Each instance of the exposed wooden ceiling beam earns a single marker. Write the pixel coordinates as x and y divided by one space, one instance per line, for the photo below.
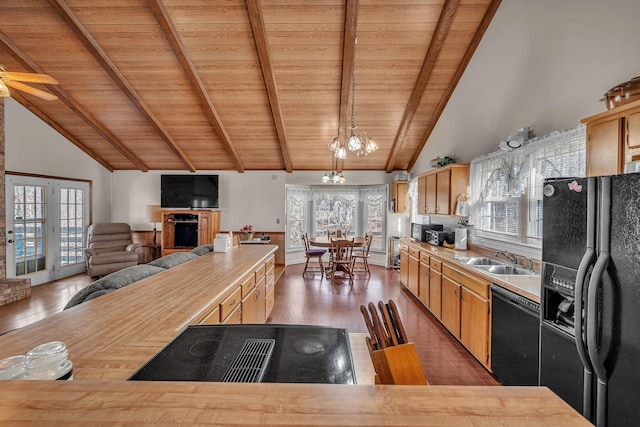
31 66
162 16
348 52
437 41
486 20
74 23
260 37
48 120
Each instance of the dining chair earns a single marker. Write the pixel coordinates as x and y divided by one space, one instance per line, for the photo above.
312 253
342 257
362 255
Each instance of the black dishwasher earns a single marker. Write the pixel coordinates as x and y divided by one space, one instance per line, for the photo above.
515 336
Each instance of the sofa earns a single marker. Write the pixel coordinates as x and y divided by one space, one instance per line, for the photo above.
110 249
127 276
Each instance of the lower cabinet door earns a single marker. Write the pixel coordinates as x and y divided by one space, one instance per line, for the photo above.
451 306
435 293
423 290
235 317
474 326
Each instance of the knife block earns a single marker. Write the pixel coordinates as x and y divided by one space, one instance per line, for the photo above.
398 364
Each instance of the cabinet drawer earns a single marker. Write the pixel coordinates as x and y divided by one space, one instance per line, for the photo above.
235 317
469 281
271 262
230 303
414 252
260 272
435 264
270 281
424 257
404 247
248 285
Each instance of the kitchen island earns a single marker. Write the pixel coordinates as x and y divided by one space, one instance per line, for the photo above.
110 337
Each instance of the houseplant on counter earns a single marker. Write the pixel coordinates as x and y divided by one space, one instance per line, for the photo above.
248 232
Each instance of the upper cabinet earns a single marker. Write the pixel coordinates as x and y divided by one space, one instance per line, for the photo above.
613 139
400 196
439 189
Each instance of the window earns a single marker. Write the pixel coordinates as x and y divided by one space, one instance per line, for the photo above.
506 187
319 210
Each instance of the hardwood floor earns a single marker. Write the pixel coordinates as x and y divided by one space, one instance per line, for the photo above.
312 301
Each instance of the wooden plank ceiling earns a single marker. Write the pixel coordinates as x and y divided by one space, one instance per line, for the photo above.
242 85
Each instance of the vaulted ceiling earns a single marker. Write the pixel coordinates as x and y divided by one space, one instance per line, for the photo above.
242 85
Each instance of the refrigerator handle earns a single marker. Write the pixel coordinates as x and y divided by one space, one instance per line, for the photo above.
580 291
592 300
581 331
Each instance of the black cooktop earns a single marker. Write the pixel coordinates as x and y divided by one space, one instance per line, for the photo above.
298 354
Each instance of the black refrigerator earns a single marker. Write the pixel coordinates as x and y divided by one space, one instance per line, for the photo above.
590 311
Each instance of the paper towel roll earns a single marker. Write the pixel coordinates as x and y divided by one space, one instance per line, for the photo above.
461 238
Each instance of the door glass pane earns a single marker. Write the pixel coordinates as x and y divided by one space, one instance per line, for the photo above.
30 229
71 229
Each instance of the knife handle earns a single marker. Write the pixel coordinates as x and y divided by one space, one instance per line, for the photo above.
383 340
388 323
369 324
402 335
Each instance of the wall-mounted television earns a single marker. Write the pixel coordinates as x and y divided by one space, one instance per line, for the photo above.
189 191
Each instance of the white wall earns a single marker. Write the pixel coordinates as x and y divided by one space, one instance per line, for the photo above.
255 198
543 64
32 146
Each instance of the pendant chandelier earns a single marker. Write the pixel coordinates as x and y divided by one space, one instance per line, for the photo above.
333 176
349 139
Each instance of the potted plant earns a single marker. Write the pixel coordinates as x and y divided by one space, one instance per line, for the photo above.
248 231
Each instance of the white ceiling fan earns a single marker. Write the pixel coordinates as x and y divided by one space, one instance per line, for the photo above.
13 80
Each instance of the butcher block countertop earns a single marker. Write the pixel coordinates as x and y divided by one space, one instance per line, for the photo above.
81 403
110 337
526 286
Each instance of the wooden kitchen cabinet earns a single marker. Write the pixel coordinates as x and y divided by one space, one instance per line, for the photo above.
604 156
475 324
183 230
439 189
466 310
404 265
424 279
435 287
613 139
400 196
451 305
414 271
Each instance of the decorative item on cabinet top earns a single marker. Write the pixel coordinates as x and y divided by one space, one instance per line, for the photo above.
438 162
622 93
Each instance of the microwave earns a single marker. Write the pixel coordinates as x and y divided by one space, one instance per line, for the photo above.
435 237
419 231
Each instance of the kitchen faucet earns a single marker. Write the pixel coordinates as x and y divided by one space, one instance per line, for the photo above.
510 256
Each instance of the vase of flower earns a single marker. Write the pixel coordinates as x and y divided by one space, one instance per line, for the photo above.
248 232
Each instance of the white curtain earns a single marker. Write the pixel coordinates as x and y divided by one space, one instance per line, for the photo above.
506 187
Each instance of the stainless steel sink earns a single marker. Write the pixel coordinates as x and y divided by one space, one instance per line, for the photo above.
505 270
480 261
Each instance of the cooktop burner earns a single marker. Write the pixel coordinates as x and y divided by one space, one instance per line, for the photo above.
300 354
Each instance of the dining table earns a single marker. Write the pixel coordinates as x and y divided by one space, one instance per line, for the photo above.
325 242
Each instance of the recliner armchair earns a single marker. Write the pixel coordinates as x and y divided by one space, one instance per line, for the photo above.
110 249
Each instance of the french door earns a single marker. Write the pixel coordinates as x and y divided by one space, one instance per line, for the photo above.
47 221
